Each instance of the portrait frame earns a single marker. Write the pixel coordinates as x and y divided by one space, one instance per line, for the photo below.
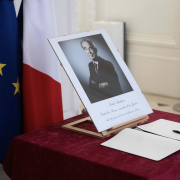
115 110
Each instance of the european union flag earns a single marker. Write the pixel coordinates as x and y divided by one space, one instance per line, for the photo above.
10 77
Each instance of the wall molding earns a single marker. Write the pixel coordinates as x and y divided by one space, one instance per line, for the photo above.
153 56
152 40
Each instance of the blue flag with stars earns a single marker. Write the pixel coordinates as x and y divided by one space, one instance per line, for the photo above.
10 77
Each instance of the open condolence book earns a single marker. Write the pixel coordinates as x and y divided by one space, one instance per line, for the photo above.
162 143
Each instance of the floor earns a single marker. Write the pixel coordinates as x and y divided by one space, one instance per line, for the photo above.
162 103
3 175
156 102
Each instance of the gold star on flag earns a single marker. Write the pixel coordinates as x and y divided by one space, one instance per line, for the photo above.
16 85
1 66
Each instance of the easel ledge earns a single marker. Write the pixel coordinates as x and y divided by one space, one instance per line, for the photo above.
114 130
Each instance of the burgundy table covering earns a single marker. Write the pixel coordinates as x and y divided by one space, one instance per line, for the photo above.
53 153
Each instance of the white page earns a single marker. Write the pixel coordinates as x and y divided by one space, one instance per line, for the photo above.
163 127
143 144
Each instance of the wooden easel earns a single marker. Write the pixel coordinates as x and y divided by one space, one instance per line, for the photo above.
106 133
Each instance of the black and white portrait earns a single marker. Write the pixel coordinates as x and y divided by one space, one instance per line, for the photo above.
101 78
95 67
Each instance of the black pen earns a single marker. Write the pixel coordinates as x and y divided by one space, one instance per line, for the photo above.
178 132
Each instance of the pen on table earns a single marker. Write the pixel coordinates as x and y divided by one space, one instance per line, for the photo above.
178 132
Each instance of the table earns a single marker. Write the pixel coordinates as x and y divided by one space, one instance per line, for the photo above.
53 153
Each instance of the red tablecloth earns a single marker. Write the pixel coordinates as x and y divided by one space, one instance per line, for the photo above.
53 153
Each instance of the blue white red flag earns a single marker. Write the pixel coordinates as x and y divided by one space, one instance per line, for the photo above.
42 100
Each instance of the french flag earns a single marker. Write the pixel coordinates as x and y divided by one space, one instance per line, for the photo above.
42 100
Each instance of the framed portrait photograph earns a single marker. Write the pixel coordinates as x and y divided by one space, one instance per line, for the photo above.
101 78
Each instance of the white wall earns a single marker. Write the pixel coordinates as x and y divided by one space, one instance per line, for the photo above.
152 36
